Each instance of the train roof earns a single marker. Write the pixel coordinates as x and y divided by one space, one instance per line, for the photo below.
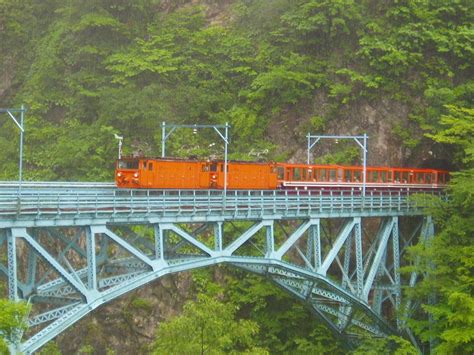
171 159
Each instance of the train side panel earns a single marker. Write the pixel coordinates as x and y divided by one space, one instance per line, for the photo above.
162 174
247 176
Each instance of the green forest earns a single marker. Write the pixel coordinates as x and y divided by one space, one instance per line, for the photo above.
275 70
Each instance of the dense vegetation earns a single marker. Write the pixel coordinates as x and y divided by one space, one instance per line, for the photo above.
274 70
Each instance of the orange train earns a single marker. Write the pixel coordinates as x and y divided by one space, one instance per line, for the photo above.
167 173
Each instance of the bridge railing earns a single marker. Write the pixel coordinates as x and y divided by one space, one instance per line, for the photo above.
81 201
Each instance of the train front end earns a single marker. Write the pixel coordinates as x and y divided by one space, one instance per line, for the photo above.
127 173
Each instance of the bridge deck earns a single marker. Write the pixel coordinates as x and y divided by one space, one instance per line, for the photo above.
77 203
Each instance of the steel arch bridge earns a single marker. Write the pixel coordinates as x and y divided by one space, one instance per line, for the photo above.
69 248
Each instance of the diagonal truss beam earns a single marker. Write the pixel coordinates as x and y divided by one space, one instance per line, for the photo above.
337 245
188 238
249 233
381 250
297 234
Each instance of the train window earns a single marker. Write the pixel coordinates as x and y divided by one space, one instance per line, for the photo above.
383 176
323 175
357 176
374 176
222 168
429 178
390 176
150 166
213 167
296 174
280 172
124 164
305 174
144 165
332 174
310 174
405 177
419 178
398 176
348 175
205 168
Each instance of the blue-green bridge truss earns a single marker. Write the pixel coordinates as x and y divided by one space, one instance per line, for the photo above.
69 248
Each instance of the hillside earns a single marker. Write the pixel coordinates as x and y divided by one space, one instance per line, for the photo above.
275 70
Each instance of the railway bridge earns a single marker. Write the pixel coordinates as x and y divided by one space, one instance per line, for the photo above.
68 248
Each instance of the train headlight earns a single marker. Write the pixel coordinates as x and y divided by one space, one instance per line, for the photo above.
135 175
119 174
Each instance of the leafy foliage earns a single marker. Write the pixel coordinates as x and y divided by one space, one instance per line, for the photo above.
447 261
12 322
207 326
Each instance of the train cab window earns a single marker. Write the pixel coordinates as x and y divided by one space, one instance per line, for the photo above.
144 165
150 166
124 164
323 175
205 168
213 167
222 168
280 172
296 174
332 174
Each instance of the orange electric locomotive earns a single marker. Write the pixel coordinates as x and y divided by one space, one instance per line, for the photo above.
167 173
151 173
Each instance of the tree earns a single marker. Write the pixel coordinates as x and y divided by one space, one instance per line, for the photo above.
12 322
447 263
207 326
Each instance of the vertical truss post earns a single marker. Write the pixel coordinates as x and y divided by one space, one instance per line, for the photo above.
12 266
31 271
315 240
359 257
91 259
218 236
159 242
396 269
347 261
270 245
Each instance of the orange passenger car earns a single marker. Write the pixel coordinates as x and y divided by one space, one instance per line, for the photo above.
316 176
